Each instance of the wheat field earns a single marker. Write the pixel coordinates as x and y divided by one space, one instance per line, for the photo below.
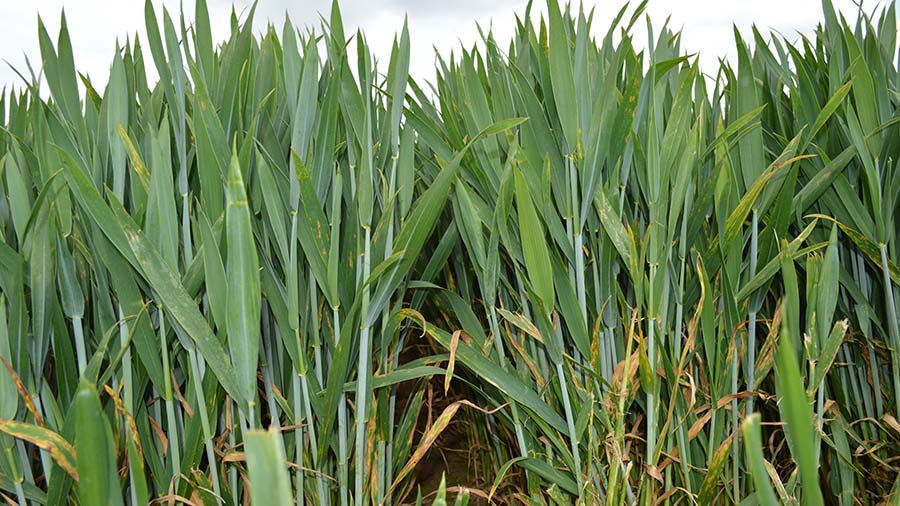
575 268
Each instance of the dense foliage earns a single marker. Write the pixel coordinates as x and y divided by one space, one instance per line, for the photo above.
593 272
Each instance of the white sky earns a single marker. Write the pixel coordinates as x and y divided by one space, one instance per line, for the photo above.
94 25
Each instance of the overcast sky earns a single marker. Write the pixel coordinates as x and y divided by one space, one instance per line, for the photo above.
95 25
